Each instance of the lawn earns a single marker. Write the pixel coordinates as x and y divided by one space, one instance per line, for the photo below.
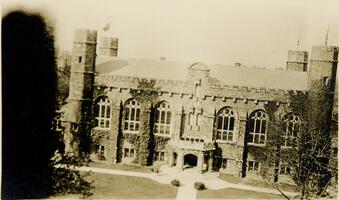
229 178
257 183
232 193
126 187
120 166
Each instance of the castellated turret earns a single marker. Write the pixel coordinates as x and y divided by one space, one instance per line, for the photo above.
323 66
297 61
77 115
108 46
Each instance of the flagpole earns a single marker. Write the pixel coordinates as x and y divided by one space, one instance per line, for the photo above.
328 30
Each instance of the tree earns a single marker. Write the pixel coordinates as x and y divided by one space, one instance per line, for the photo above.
304 146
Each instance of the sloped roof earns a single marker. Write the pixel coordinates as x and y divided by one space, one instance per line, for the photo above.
230 75
255 77
142 68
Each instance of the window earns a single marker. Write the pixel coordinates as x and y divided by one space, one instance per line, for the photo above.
129 153
253 166
225 125
159 156
100 150
80 59
162 122
325 80
220 162
103 113
257 128
284 169
132 116
292 123
224 163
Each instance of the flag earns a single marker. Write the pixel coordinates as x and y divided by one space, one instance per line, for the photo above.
106 27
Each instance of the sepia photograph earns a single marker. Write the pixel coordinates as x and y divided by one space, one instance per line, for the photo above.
157 99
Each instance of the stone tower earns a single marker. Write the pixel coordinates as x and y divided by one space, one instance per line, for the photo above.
77 115
108 46
323 66
297 61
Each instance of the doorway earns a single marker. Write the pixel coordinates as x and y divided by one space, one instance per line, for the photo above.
191 160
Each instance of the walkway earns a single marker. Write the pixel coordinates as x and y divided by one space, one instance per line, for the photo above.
187 178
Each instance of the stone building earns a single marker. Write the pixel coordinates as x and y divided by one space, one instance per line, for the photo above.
182 113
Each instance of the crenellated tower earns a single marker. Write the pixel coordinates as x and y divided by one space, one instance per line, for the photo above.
108 46
323 66
297 61
77 115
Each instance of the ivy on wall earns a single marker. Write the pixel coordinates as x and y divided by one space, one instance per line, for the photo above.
97 136
160 142
144 144
133 139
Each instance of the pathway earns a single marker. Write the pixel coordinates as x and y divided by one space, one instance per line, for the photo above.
187 178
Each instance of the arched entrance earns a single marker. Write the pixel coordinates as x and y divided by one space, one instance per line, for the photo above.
191 160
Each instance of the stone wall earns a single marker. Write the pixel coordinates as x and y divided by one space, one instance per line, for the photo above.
184 100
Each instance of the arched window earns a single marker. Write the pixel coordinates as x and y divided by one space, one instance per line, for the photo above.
292 123
132 116
103 113
225 125
257 128
162 121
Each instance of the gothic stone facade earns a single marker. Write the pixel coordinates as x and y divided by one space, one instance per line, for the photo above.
194 121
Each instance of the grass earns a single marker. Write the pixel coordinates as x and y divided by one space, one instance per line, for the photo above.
229 178
126 187
256 183
232 193
120 166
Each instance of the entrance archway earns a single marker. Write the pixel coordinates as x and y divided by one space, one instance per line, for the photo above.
191 160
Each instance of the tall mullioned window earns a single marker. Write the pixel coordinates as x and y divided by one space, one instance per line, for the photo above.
103 113
257 128
292 123
162 121
132 116
225 125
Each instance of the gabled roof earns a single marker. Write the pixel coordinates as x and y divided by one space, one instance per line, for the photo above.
230 75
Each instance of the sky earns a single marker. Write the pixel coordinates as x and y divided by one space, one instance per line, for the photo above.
252 32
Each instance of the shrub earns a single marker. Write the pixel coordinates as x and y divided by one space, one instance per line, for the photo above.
175 183
199 186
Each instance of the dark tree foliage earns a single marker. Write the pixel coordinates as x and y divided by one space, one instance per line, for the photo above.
63 76
32 90
66 179
309 153
28 99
